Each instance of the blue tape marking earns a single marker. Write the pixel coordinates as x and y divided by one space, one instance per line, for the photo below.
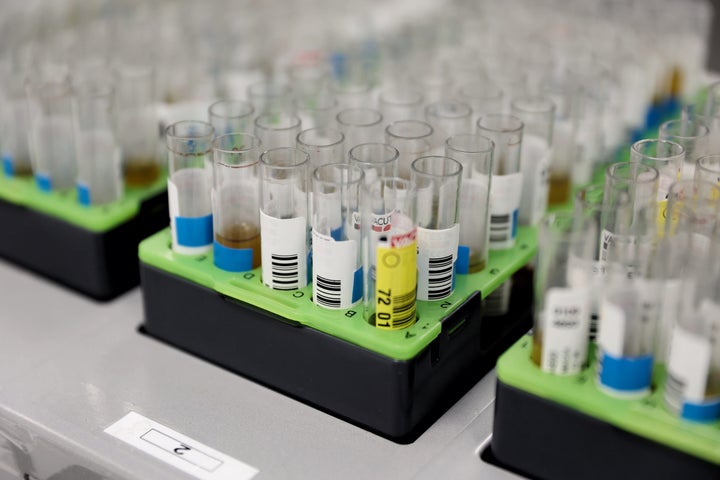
626 374
514 223
83 193
337 234
357 291
194 231
7 164
701 412
462 265
232 259
309 268
43 182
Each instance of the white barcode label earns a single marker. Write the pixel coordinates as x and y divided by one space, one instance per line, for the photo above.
606 238
611 337
535 168
689 365
335 264
437 252
284 252
565 321
504 204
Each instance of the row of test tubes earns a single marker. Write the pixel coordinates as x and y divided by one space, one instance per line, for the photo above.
635 268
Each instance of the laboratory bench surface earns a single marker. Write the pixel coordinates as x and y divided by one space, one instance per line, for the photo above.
70 367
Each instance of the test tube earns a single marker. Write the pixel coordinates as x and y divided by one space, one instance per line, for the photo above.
336 236
231 116
98 151
269 97
692 135
448 118
52 146
309 81
376 160
235 202
189 144
434 83
506 132
475 153
400 104
14 133
563 293
711 118
324 145
538 115
137 124
693 207
437 180
277 130
317 112
360 125
412 138
284 217
707 169
484 97
390 266
352 94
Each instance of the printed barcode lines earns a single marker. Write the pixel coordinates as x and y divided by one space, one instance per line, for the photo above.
403 309
500 228
285 272
440 277
328 292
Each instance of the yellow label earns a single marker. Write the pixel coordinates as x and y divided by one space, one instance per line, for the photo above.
396 283
661 217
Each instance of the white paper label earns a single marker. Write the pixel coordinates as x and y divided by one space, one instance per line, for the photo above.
504 204
284 252
473 210
334 265
643 336
535 168
669 309
178 450
606 237
437 252
611 335
688 364
565 322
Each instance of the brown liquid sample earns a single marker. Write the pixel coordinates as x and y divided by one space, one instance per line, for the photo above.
559 191
140 172
242 235
536 353
477 263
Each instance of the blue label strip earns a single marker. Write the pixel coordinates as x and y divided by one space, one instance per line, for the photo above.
7 165
514 223
626 374
462 264
701 412
232 259
83 193
43 182
357 291
194 231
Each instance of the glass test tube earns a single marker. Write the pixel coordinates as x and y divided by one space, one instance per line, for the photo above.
277 130
309 82
538 115
189 146
352 94
390 265
336 236
360 125
15 127
448 118
693 207
324 145
692 135
484 97
52 146
270 97
99 157
412 138
317 112
506 132
235 202
231 116
711 118
437 180
563 286
400 104
376 160
707 169
137 124
284 217
475 153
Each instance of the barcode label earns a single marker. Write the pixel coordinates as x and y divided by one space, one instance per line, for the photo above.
565 322
505 192
283 252
437 252
689 364
606 238
337 281
327 292
674 388
396 282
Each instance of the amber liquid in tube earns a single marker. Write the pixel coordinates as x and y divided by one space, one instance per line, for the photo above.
140 172
242 235
559 191
477 263
536 353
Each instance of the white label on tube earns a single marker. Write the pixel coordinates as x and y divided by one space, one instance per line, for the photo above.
437 252
688 365
535 167
648 291
670 298
334 265
178 450
611 335
504 203
284 252
566 320
606 237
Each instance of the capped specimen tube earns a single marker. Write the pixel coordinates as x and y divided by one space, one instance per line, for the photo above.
360 125
189 146
375 160
707 169
563 296
538 115
231 116
284 217
324 145
475 153
236 202
400 104
277 130
448 118
99 157
437 180
390 265
412 138
336 235
52 145
691 134
506 132
270 97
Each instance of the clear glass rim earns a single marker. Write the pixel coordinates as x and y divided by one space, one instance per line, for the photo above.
636 148
701 163
611 172
256 145
396 92
339 137
297 153
208 130
247 107
355 178
432 110
514 124
534 104
455 172
452 146
704 130
348 111
394 153
294 118
418 123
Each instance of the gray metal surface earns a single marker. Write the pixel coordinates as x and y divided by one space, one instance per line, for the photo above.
70 367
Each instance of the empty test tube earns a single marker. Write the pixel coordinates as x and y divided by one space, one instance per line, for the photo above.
231 116
412 138
376 160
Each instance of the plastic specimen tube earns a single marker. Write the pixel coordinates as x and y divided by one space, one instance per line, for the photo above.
236 202
52 145
506 132
231 116
562 308
376 160
99 157
707 169
336 236
360 125
284 217
324 145
269 97
538 115
413 139
189 146
437 180
277 130
400 104
448 118
475 153
692 135
390 266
